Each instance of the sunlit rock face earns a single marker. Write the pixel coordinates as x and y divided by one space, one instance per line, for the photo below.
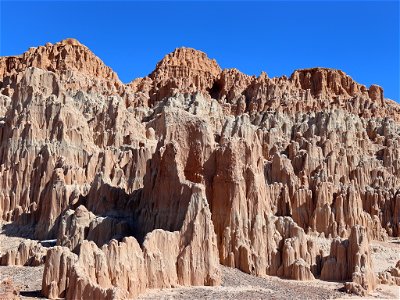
154 183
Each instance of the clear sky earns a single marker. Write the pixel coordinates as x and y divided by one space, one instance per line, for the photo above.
360 37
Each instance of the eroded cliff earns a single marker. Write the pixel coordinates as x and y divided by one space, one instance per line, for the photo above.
154 183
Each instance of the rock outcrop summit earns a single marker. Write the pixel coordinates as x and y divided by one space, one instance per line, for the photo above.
155 183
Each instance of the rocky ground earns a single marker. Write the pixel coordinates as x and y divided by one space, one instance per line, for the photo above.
385 254
28 280
239 285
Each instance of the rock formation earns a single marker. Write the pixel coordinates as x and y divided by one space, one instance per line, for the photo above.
166 259
391 275
351 259
8 290
156 182
28 253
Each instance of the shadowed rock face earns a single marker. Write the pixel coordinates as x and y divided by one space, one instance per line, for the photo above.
154 183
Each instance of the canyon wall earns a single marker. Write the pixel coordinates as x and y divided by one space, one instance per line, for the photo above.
154 183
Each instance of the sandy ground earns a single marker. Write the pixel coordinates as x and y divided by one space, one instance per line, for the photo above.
239 285
236 284
27 279
385 254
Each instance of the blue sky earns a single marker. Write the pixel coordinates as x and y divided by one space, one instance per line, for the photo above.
360 37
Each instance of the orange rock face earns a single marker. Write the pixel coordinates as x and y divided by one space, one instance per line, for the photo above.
183 71
155 183
66 55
